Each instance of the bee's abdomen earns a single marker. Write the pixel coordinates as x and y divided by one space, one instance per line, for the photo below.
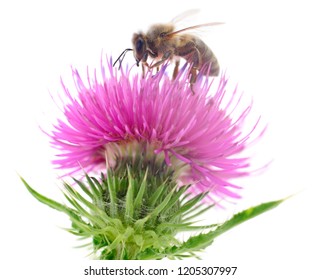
207 58
197 53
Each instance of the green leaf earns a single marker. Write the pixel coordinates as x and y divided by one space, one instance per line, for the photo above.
139 198
175 198
79 197
151 254
194 243
94 219
100 187
246 215
139 224
83 187
112 195
156 195
47 201
92 184
129 200
162 205
189 205
183 226
197 211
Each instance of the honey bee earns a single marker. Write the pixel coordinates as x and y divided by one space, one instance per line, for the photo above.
162 43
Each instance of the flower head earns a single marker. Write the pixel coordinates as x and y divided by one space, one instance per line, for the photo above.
196 134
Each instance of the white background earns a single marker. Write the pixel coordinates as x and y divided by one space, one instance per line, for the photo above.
270 48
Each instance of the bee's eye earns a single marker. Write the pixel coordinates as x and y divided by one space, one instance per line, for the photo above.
139 45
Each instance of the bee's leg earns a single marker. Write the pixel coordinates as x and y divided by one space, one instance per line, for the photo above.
176 69
165 57
196 57
193 77
193 56
145 66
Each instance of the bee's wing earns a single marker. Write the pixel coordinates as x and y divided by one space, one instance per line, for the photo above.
193 28
183 16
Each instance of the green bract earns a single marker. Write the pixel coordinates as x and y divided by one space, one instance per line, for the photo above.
132 214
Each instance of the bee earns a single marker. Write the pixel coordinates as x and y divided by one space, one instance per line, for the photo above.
162 43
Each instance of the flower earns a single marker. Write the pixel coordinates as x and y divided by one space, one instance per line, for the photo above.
155 141
197 134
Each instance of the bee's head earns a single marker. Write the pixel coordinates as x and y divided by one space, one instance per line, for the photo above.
139 47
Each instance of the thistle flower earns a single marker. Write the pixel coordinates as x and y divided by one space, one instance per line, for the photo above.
154 141
194 133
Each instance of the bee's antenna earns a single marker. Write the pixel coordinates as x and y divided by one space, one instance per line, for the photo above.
121 57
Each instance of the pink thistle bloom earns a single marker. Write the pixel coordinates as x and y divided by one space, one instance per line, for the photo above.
197 131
